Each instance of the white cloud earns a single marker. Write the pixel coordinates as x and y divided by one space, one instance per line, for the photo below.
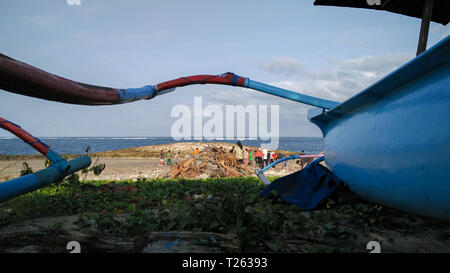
339 79
376 64
281 65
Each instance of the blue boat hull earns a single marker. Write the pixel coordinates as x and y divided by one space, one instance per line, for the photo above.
391 142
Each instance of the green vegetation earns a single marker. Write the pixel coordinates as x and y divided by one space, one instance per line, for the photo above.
226 206
129 208
26 169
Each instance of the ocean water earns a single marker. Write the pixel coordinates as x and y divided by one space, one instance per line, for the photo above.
77 145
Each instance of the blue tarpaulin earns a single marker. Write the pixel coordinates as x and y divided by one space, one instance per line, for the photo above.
305 188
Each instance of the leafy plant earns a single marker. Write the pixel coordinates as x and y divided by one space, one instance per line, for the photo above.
26 169
226 206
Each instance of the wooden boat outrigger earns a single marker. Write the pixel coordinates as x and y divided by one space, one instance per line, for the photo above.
390 142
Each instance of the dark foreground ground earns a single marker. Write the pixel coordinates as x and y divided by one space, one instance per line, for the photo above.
209 215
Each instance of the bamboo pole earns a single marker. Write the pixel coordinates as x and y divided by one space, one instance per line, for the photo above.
424 28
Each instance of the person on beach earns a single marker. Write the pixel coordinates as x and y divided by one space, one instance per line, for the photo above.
299 164
258 157
177 158
284 165
196 153
239 153
304 161
265 158
246 157
169 158
274 157
250 158
161 158
239 144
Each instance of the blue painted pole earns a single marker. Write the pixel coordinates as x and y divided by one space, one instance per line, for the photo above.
24 184
278 161
290 95
266 181
284 159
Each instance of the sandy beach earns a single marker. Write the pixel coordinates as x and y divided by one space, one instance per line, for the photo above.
134 163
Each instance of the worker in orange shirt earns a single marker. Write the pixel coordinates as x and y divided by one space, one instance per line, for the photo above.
196 153
258 157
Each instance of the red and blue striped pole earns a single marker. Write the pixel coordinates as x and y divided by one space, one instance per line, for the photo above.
21 78
58 169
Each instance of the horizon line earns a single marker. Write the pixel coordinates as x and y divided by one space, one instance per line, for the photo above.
193 138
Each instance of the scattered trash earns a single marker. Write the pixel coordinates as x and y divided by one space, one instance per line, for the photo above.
305 188
212 162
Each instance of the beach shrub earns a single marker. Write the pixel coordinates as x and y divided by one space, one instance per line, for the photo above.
226 206
129 208
26 169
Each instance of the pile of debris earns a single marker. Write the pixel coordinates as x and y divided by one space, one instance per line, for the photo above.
211 162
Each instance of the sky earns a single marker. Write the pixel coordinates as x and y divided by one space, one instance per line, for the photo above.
329 52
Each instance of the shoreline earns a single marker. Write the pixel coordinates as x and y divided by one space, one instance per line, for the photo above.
147 151
131 163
